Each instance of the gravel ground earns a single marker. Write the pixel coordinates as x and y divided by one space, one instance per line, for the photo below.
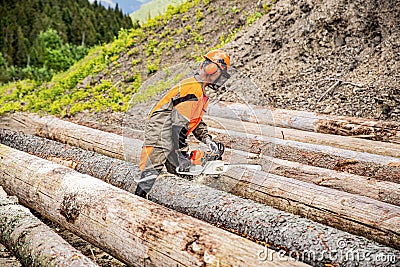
334 57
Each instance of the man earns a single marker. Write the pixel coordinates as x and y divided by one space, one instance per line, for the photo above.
178 114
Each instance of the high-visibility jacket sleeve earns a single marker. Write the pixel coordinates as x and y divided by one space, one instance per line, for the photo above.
201 132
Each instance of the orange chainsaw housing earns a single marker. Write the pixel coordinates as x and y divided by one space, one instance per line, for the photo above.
196 157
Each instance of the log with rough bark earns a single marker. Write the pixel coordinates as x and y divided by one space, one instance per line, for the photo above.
388 131
70 156
343 142
236 214
33 242
332 207
53 128
364 164
359 163
134 230
356 214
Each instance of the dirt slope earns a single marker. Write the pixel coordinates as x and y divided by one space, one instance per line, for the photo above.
336 56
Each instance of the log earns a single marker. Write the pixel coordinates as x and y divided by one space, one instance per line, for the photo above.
53 128
69 156
343 142
388 192
236 214
364 164
351 216
33 242
359 163
387 131
343 220
355 214
134 230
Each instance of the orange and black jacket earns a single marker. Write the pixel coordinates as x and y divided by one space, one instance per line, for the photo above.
178 114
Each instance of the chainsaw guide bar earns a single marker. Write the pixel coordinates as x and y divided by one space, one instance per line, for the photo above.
216 167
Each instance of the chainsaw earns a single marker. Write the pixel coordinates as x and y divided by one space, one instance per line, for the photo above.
211 163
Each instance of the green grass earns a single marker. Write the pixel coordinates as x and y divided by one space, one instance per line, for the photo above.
59 96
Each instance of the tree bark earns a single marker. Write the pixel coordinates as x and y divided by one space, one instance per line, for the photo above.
71 156
364 164
7 258
33 242
355 214
134 230
242 216
359 163
388 192
341 210
343 142
387 131
54 128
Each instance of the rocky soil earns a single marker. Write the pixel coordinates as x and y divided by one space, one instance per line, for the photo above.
336 57
332 57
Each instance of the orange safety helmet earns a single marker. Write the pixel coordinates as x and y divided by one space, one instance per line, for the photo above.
214 60
219 57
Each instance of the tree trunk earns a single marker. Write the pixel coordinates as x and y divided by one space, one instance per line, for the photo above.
364 164
388 131
343 142
134 230
71 156
51 127
253 220
355 214
33 242
360 185
332 207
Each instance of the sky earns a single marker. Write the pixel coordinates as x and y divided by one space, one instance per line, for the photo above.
127 6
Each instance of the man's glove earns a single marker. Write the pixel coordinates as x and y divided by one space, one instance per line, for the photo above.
213 146
184 162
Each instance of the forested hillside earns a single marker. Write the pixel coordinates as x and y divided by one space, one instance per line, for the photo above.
74 22
106 78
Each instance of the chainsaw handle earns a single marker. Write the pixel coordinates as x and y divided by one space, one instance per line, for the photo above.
218 154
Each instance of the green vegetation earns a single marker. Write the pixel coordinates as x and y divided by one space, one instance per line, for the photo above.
253 18
59 96
78 88
40 38
51 56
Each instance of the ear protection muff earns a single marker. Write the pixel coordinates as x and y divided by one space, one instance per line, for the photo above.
209 67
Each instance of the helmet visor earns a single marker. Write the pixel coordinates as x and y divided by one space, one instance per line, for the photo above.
221 79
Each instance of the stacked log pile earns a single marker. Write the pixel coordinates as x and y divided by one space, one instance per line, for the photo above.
134 230
250 219
352 187
388 131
